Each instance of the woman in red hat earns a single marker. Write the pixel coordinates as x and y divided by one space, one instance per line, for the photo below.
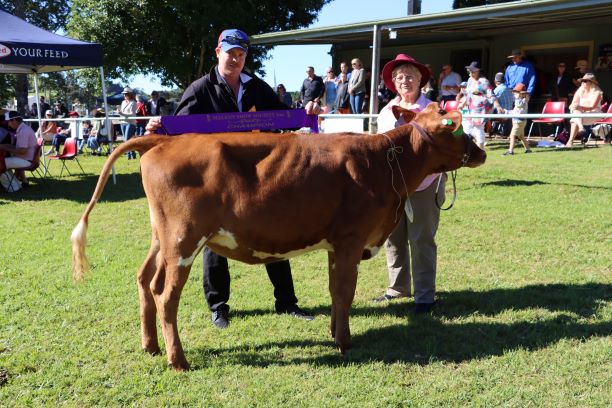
412 239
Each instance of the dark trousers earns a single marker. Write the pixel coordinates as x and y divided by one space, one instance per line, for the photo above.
216 281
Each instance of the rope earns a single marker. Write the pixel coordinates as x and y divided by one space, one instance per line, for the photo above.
392 153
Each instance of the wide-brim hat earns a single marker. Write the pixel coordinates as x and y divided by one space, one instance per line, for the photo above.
589 77
515 53
10 115
401 59
474 66
127 90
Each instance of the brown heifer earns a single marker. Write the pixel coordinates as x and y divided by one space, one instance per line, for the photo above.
263 197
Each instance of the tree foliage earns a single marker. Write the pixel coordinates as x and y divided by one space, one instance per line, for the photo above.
176 39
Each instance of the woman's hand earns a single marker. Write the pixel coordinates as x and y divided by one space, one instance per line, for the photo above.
152 125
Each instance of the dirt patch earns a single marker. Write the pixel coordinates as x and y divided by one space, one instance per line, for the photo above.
4 376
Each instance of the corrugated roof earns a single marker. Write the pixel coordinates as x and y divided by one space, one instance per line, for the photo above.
474 22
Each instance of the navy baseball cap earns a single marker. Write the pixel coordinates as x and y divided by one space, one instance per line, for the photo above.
233 38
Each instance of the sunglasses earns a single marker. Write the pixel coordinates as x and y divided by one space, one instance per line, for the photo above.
233 40
561 65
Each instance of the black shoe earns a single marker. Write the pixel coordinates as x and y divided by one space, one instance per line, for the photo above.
220 319
422 308
508 153
385 298
528 151
295 311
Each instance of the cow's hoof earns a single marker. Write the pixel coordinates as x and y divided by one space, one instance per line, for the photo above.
154 351
178 367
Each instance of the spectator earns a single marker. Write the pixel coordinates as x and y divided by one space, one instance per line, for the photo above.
22 151
506 101
128 127
98 134
60 112
141 110
155 104
519 72
587 99
330 88
384 94
283 96
49 127
342 102
430 90
582 67
461 95
357 86
412 244
344 69
561 84
74 131
478 97
44 106
312 88
83 135
521 99
243 92
449 83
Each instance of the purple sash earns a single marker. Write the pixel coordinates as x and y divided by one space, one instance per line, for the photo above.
238 122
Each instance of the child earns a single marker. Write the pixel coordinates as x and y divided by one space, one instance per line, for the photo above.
521 98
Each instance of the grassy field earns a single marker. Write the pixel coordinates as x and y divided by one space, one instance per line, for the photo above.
524 314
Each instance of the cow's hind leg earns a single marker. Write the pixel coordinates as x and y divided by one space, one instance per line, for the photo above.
148 328
332 265
167 286
343 281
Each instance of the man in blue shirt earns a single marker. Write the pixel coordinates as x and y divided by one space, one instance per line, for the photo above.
520 72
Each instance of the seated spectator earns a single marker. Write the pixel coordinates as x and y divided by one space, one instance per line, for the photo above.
98 135
49 127
60 137
83 135
587 99
21 150
283 96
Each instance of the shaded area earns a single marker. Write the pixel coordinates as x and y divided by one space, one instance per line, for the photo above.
427 338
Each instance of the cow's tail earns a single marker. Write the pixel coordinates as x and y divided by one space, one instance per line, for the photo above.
80 264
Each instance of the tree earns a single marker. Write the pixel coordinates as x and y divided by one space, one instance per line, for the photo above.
176 39
47 14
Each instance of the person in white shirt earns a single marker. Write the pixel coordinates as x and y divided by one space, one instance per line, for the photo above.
449 83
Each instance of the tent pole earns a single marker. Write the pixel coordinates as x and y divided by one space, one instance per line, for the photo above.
39 120
107 123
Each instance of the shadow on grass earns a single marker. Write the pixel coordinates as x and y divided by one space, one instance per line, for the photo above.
523 183
448 334
79 189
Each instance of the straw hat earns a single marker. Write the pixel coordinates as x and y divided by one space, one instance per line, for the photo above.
589 77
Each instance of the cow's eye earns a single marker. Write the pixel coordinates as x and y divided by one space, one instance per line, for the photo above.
442 112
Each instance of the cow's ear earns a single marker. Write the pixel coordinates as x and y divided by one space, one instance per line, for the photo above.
405 113
456 117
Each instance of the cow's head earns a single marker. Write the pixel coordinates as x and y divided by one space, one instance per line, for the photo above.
444 132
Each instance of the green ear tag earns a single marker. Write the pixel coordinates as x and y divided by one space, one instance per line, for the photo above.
459 131
447 122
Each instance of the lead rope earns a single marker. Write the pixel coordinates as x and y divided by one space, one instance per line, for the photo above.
454 178
392 156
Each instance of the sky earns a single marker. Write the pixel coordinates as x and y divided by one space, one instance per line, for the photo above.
288 63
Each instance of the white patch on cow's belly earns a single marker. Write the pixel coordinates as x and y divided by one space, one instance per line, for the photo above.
188 261
320 245
373 250
225 239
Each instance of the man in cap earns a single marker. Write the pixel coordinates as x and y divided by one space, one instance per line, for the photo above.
21 150
228 88
520 72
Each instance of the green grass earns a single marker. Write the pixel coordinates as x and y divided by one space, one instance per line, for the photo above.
524 314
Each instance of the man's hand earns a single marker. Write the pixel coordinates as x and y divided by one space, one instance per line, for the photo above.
312 108
152 126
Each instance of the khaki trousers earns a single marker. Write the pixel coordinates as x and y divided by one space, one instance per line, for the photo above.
413 244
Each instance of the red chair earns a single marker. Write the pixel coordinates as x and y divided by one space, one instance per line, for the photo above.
607 122
69 153
549 108
450 106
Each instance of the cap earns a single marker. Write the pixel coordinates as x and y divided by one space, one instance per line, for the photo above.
73 113
499 77
400 59
11 115
463 84
474 66
127 90
49 112
515 52
233 38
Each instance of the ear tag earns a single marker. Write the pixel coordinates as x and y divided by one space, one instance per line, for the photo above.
449 122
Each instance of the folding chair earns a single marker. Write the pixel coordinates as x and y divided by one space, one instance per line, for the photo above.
450 106
606 123
69 153
549 108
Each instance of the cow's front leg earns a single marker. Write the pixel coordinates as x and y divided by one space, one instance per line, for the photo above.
331 266
148 311
343 283
167 286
